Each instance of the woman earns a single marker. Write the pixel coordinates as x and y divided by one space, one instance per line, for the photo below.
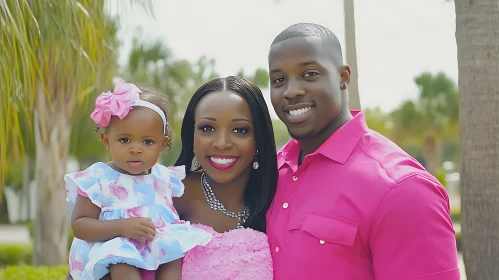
229 151
227 132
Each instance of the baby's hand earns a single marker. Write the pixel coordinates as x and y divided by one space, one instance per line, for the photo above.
140 229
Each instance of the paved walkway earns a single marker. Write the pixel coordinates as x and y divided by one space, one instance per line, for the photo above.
20 234
14 234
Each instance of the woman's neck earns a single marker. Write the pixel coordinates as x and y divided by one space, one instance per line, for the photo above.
231 194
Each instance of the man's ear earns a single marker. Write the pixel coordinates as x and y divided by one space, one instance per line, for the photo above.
345 75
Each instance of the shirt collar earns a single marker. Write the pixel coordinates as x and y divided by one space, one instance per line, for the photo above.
338 147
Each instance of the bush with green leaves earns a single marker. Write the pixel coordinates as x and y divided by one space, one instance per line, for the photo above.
455 214
34 273
15 254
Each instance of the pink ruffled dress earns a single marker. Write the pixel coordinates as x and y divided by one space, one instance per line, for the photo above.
239 254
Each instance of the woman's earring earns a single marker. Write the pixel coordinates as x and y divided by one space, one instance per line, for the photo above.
255 165
255 162
343 87
195 164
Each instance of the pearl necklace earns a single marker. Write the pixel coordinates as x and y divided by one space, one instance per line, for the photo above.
215 204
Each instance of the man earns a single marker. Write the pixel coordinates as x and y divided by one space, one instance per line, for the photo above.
350 204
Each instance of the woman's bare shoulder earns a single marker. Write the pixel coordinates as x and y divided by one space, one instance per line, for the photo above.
192 190
192 185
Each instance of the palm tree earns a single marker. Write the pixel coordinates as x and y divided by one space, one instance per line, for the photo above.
379 121
426 121
351 54
54 53
477 23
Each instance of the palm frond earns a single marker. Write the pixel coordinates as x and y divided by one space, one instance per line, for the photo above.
53 52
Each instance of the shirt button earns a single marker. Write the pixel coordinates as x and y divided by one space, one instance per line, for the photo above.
295 178
322 241
285 205
277 249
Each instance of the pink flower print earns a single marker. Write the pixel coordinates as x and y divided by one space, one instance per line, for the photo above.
146 249
80 174
162 254
118 191
158 188
142 248
75 264
134 212
158 222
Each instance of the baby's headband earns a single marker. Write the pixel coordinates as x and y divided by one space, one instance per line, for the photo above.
119 103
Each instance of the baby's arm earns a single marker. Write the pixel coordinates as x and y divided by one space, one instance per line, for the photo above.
86 225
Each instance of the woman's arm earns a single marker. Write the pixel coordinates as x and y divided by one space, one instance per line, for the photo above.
87 226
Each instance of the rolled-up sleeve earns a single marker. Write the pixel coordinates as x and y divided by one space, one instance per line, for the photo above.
411 236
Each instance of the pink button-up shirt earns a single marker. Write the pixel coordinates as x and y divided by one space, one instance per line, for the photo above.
359 208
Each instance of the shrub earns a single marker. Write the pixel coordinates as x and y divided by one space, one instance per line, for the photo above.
458 241
15 254
455 214
22 254
441 177
34 273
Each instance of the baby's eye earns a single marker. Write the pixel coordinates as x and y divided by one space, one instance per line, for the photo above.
125 140
148 142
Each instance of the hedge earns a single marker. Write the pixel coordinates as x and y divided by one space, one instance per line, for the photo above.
21 254
34 273
15 254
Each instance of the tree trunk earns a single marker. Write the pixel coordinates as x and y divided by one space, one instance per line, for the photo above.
351 54
477 28
25 194
52 132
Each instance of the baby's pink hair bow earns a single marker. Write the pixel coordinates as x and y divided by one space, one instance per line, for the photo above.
114 103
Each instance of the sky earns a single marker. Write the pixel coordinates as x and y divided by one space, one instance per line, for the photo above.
396 40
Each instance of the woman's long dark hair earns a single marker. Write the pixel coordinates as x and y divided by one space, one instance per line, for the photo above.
262 184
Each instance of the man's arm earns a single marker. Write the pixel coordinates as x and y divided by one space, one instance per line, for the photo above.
412 236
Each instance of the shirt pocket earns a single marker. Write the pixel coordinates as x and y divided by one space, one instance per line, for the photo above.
330 229
324 246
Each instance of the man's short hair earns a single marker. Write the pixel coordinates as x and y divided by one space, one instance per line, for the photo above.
330 41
